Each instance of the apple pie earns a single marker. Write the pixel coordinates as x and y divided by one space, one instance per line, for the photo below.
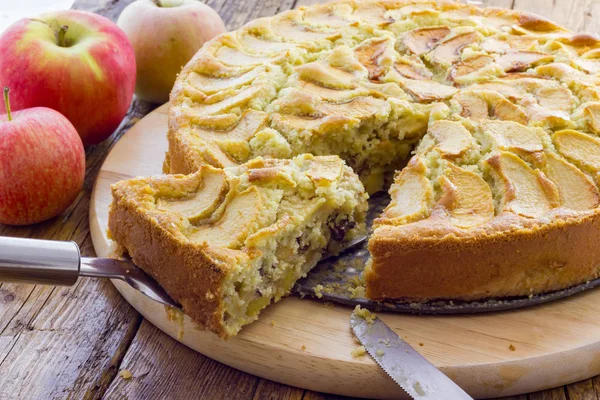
224 243
500 109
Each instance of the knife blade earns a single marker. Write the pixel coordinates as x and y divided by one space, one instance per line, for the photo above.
410 370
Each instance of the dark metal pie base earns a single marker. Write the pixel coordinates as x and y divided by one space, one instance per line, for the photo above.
338 280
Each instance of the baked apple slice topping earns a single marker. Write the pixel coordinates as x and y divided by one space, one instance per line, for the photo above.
240 217
448 52
466 196
288 28
592 112
508 135
209 85
238 58
413 71
250 122
421 40
211 190
581 149
326 75
576 190
368 54
326 169
411 195
451 137
520 61
507 111
469 66
525 191
427 91
371 13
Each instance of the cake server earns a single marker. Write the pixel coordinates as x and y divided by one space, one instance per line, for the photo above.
410 370
51 262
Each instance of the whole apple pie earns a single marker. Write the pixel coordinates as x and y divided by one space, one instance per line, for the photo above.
500 108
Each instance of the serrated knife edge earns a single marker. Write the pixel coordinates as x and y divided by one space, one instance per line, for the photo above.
409 369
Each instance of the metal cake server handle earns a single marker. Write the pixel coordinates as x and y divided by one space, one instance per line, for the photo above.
50 262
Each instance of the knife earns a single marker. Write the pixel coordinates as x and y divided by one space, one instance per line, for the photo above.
410 370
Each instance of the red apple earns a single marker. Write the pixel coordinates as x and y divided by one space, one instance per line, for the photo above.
77 63
42 165
165 35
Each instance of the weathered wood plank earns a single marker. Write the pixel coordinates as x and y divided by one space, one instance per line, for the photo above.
552 394
583 390
267 390
163 368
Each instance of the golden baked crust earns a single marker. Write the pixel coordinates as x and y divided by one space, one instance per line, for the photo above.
225 243
501 197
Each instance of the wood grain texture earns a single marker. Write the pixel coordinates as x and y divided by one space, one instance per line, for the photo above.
38 323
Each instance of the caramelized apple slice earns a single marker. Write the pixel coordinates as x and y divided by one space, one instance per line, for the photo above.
209 85
508 135
474 106
254 44
421 40
469 66
286 26
427 91
368 55
412 71
524 191
576 190
240 99
371 13
333 95
359 107
493 45
239 219
452 138
411 193
325 169
507 111
579 148
250 122
238 58
466 196
554 97
201 204
449 51
520 61
592 112
326 75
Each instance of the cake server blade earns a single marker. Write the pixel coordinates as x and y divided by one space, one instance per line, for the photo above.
410 370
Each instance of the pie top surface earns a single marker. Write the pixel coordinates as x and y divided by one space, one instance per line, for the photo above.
502 106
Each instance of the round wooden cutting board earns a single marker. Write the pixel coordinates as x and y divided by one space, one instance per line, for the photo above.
305 343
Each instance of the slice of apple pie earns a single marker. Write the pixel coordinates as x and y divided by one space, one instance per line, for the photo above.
225 243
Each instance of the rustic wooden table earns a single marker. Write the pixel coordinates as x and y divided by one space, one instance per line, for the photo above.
72 342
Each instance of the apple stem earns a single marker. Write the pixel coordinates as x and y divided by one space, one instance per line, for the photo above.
7 103
158 3
62 32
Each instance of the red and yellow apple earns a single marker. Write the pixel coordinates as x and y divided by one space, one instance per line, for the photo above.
42 165
77 63
165 35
